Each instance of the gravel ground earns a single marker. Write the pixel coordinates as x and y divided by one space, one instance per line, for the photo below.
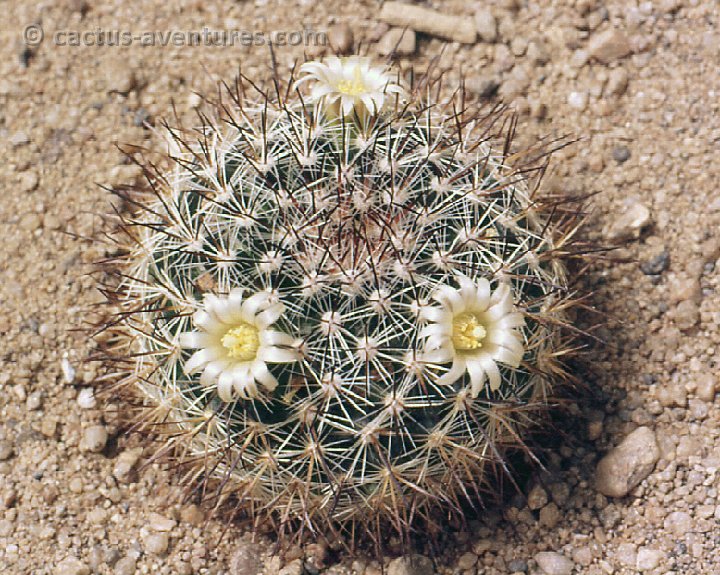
635 492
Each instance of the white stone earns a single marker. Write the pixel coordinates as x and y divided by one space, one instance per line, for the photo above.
86 398
94 439
648 559
552 563
577 100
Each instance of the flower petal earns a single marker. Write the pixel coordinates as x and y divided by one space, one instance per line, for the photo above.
200 359
456 372
225 387
262 374
512 357
244 383
435 314
269 316
204 320
212 371
492 371
482 294
511 320
443 354
436 330
493 375
270 337
449 297
273 354
253 305
194 339
477 376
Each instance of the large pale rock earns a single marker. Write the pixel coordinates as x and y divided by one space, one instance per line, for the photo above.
455 28
397 41
625 466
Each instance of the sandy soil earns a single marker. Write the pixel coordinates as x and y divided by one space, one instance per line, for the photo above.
650 130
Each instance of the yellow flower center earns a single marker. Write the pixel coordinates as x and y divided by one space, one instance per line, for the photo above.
468 333
242 342
353 87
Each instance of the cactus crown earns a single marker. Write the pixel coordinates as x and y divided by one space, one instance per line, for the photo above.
342 309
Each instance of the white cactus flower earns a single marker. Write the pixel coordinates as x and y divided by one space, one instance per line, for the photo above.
235 343
474 328
351 82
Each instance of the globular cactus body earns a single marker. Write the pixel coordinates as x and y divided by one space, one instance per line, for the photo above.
342 313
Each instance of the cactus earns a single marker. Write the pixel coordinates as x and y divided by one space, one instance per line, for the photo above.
342 309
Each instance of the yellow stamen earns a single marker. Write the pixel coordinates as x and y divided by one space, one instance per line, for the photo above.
242 342
468 332
354 87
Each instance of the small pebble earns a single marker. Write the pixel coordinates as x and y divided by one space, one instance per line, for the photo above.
538 53
609 46
124 469
194 100
537 498
517 566
159 523
141 117
246 559
48 427
156 543
617 82
550 516
86 398
192 514
704 388
119 76
295 567
482 85
94 438
631 222
686 314
341 38
71 566
411 565
28 182
68 371
656 265
648 559
6 450
34 401
678 523
621 154
467 561
125 566
486 25
552 563
19 139
578 100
